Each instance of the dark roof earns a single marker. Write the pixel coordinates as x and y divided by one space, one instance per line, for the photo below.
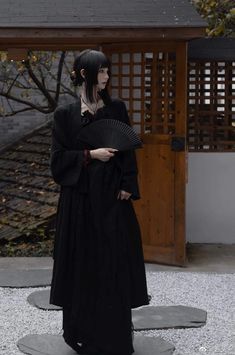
28 195
99 13
220 48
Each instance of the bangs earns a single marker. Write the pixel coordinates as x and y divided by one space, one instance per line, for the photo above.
104 62
93 60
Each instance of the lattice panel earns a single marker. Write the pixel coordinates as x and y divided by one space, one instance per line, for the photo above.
146 82
211 106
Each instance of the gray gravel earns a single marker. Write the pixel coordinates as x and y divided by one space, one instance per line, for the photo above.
211 292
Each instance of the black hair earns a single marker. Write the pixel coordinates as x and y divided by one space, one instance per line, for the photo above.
91 61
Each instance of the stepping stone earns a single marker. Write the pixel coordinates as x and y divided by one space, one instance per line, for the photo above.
45 344
165 317
40 299
152 346
25 278
144 318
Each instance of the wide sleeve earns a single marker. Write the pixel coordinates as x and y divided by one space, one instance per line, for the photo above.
65 163
129 181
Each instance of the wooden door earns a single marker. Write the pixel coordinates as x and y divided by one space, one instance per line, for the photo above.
151 79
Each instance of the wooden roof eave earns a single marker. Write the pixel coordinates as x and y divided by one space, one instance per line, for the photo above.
72 38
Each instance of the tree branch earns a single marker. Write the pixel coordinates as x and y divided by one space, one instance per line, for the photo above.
12 84
42 78
59 73
69 91
10 105
27 103
50 99
15 112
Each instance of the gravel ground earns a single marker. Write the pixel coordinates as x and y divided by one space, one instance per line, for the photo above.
211 292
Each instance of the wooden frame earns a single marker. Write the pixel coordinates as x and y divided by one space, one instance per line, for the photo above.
211 98
169 249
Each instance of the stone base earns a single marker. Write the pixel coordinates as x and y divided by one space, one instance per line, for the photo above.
166 317
144 318
46 344
40 299
25 278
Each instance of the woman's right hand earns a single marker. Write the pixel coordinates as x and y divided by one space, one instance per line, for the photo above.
103 154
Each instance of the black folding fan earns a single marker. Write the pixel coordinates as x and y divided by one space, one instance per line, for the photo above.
109 133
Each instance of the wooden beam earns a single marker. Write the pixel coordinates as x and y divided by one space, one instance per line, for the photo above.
17 54
66 38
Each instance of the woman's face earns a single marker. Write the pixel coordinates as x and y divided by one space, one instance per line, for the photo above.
102 78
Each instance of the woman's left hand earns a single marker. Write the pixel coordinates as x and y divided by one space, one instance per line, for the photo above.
123 195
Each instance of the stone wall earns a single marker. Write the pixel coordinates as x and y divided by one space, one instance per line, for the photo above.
13 128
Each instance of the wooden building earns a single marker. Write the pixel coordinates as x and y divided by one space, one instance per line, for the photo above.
211 141
147 44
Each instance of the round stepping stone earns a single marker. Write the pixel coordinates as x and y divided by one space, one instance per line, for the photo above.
165 317
144 318
25 278
45 344
40 299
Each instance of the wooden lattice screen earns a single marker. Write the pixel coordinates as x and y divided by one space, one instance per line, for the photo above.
146 82
211 106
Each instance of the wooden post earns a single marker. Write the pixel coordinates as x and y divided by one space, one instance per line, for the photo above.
180 173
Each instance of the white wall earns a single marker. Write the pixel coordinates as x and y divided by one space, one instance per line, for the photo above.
210 198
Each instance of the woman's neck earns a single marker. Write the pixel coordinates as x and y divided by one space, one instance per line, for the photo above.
87 105
82 93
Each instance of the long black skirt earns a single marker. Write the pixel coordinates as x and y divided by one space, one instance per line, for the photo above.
98 273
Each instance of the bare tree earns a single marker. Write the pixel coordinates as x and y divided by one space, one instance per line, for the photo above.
36 83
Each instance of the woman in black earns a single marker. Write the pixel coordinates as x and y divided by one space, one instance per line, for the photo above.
98 272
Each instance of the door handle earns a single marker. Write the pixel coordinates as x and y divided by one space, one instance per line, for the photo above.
178 144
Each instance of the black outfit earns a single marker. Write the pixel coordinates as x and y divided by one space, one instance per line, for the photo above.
98 272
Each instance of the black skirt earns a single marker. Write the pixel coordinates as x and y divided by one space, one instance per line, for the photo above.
98 273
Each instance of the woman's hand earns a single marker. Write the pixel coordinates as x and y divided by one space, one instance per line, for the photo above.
123 195
103 154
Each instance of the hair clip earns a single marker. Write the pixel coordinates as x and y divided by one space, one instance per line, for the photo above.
73 74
